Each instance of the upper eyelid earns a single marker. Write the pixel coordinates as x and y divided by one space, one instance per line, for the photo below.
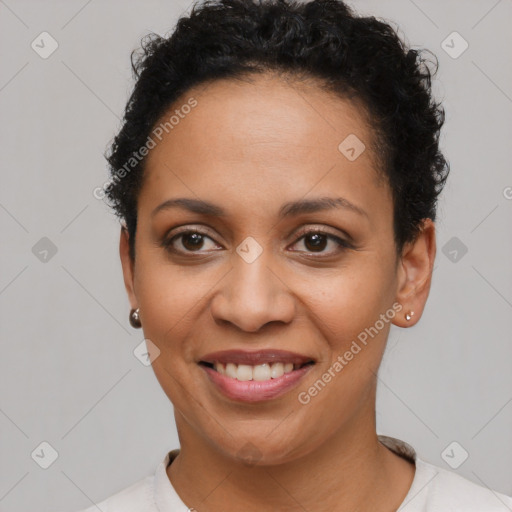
301 231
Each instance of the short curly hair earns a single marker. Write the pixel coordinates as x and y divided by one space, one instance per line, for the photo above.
350 55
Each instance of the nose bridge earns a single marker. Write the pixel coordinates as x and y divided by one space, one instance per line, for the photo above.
252 295
252 277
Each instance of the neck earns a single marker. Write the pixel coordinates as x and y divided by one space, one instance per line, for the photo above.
350 471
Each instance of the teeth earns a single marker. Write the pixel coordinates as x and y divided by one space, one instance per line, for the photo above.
260 372
276 370
244 372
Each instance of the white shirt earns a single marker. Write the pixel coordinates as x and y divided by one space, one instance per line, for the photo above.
433 489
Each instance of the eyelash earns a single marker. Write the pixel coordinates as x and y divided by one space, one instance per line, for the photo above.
342 244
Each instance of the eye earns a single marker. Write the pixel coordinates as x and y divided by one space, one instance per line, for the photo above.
194 241
190 241
316 240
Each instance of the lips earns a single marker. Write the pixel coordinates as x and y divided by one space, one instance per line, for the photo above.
255 376
254 358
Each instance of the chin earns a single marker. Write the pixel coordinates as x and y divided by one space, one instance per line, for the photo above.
262 452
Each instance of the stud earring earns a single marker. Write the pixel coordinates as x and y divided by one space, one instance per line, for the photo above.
135 319
409 315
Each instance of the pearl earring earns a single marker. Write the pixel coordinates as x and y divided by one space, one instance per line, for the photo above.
409 315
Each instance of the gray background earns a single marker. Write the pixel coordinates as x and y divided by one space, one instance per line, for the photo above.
68 373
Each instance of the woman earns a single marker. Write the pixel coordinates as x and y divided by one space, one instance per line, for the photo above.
277 177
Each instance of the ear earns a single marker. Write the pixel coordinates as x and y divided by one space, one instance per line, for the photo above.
415 274
128 267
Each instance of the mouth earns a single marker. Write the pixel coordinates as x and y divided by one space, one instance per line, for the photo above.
260 372
255 376
259 366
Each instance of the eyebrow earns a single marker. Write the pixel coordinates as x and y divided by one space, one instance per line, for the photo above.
292 208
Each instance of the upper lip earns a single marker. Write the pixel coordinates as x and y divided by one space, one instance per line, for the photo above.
255 357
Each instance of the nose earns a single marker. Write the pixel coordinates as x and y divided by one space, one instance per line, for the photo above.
252 295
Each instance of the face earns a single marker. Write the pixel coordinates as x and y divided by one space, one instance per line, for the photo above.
256 273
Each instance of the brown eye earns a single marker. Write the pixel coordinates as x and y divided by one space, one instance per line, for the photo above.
188 242
192 241
317 240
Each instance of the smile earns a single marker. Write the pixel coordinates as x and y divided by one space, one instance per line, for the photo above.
261 372
255 376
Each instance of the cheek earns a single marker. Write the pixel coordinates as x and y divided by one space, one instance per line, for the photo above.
169 303
174 303
166 299
348 311
168 292
349 317
349 301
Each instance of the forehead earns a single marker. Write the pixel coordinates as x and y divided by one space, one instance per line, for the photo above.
263 138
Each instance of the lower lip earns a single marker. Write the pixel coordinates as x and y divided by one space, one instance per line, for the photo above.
255 390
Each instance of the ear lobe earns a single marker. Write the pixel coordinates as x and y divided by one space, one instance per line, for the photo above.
127 266
415 274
